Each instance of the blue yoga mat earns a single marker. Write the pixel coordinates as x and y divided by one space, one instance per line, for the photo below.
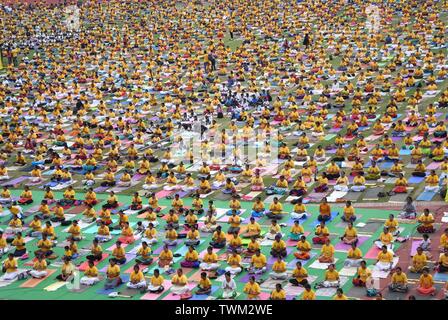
124 277
426 196
405 152
316 222
441 276
416 180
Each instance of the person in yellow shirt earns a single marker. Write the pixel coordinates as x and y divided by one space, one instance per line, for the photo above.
362 275
113 278
191 259
426 283
432 182
399 281
321 233
327 253
442 263
258 263
349 212
39 268
137 279
278 293
384 260
156 282
426 221
331 279
234 262
279 270
299 210
209 260
443 245
91 274
258 209
350 235
275 210
385 239
218 239
296 231
308 294
340 295
9 267
419 261
204 285
67 270
144 254
252 289
179 283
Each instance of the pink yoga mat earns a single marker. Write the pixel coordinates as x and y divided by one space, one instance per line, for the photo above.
415 244
163 194
155 296
172 296
372 253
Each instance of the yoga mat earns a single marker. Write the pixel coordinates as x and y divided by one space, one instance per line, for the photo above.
426 196
371 194
345 247
316 222
433 166
172 296
372 253
352 196
415 244
154 296
205 296
163 194
251 195
399 197
443 277
319 265
292 264
14 182
371 226
416 180
124 278
31 283
83 267
55 286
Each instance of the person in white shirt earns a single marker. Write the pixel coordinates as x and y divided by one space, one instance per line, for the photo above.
228 287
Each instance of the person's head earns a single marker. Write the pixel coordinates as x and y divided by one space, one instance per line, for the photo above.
204 275
426 212
252 279
419 250
307 287
278 287
210 250
180 272
136 268
339 292
228 276
398 270
384 249
425 271
411 297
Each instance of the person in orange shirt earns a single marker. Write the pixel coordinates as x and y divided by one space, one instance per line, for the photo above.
324 211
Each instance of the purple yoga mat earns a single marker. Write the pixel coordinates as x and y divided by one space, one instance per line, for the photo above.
414 246
14 181
100 189
345 247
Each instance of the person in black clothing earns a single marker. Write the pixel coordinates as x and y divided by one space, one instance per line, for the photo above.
306 41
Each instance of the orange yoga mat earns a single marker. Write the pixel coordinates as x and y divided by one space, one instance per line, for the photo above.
31 283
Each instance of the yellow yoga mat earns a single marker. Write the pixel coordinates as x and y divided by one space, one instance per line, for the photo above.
55 286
